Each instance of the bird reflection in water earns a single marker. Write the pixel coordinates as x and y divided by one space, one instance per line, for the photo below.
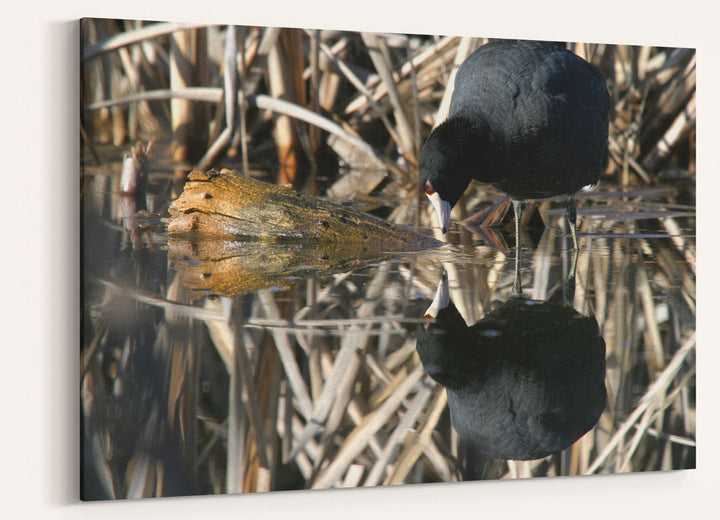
525 382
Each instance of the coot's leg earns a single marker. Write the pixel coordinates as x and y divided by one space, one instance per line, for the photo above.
572 220
518 208
569 293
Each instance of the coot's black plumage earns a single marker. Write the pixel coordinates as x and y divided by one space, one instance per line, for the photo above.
529 118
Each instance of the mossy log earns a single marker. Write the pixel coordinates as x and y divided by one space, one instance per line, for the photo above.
224 204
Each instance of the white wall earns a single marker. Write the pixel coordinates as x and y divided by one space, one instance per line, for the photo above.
40 263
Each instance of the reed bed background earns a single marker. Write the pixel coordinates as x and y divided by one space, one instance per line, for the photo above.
319 385
287 101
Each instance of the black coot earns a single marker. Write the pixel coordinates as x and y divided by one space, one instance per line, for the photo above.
529 118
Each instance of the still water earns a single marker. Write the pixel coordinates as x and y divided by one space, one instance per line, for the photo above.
260 369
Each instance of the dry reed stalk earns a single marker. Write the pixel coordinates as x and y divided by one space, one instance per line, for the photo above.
542 260
401 355
337 384
140 476
203 94
324 61
464 49
622 66
133 80
379 372
671 61
236 424
626 462
440 463
312 449
672 97
600 277
292 44
679 240
146 119
253 44
261 459
88 353
159 479
357 340
583 276
124 39
356 414
329 90
358 439
622 157
302 324
353 476
282 131
285 350
651 325
417 137
614 332
181 49
675 439
176 351
384 463
360 86
270 104
242 367
222 337
177 309
643 59
407 459
251 48
389 388
674 274
230 84
283 66
284 426
117 88
580 454
277 105
314 59
243 134
378 51
655 390
518 469
316 378
420 61
679 129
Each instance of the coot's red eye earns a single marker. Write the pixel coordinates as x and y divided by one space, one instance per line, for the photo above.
429 188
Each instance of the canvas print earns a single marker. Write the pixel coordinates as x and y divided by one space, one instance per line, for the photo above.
315 258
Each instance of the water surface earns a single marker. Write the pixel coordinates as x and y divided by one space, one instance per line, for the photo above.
311 376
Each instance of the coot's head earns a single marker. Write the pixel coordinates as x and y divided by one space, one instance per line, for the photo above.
444 170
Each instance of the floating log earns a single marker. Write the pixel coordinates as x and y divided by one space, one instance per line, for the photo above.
224 204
